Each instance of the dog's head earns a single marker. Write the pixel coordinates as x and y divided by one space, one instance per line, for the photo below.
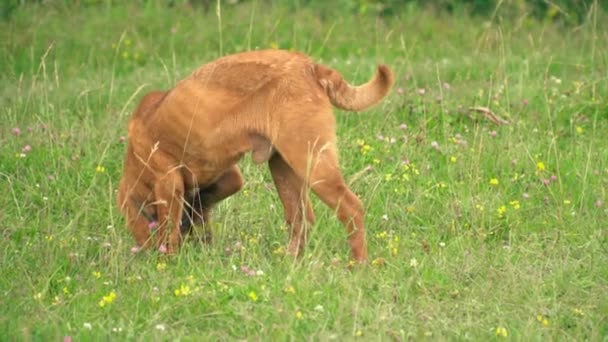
137 182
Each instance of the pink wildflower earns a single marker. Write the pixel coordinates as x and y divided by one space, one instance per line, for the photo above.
153 225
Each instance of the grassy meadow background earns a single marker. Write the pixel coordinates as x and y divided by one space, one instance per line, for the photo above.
476 231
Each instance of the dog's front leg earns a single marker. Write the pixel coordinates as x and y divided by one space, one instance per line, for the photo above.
201 203
169 195
229 183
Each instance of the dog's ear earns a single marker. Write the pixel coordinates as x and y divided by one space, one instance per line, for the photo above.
149 103
146 107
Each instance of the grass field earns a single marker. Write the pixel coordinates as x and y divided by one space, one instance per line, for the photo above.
476 231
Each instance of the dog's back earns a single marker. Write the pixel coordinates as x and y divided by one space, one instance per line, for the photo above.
251 72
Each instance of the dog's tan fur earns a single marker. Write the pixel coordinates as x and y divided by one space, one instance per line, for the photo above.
275 104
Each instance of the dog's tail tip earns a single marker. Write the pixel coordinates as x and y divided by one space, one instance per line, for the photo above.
385 77
355 98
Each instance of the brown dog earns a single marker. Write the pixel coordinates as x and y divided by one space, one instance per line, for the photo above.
184 144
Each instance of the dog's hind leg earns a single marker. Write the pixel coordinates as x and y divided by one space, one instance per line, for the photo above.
169 197
296 204
317 163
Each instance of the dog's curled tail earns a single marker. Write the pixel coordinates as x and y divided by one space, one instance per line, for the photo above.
355 98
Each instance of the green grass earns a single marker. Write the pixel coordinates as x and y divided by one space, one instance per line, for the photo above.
452 256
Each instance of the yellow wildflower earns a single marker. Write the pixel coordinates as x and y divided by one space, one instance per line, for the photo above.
540 166
543 320
253 296
515 204
501 332
393 245
184 291
378 262
501 211
494 181
105 300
